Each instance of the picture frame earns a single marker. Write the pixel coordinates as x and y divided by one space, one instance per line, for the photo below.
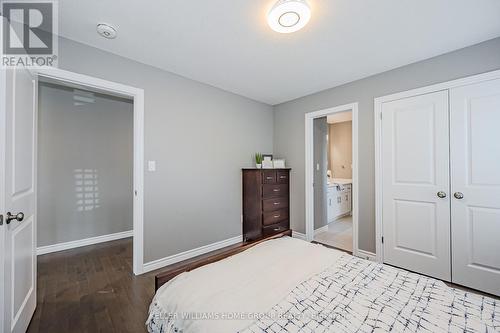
270 156
279 163
267 161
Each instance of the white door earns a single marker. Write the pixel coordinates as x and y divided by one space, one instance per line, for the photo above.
18 192
416 207
475 171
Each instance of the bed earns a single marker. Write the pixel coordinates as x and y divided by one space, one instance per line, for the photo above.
289 285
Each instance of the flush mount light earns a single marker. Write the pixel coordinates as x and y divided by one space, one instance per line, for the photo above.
106 31
288 16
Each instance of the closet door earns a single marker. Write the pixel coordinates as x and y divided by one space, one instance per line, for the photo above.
475 170
416 206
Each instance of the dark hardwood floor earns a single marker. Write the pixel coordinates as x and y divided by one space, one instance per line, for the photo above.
92 289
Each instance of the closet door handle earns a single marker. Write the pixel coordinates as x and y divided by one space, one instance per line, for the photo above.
458 195
441 194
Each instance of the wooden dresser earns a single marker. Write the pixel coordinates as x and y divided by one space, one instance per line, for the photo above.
266 202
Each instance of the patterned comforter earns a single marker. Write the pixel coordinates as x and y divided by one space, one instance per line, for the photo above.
356 295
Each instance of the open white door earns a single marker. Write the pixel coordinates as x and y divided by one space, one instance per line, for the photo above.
18 244
475 205
416 206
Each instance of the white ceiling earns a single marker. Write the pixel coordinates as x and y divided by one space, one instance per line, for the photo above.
339 117
227 43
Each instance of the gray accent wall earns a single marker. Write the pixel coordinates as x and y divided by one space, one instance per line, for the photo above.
289 121
200 137
85 159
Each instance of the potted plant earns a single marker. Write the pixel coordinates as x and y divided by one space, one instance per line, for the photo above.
258 160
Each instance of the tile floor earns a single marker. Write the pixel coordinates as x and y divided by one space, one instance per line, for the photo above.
338 235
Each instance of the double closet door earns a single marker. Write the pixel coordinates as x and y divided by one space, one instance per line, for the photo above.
441 184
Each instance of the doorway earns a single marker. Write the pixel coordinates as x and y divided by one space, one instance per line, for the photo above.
332 177
86 90
18 172
85 167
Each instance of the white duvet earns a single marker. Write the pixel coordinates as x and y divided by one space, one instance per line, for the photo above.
227 295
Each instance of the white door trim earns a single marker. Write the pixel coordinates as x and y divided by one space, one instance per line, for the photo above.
378 135
137 95
3 88
309 170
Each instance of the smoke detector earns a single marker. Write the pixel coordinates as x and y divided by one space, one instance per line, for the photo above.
106 31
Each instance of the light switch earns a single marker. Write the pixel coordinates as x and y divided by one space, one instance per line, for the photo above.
317 166
151 166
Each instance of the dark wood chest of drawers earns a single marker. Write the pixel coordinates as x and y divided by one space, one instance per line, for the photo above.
266 202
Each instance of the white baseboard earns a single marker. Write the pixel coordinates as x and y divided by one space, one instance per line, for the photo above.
299 235
162 262
83 242
323 228
366 255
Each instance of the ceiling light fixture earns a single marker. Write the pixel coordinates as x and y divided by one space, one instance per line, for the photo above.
288 16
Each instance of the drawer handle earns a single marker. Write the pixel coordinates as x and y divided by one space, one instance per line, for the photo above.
282 177
276 203
276 216
269 178
276 190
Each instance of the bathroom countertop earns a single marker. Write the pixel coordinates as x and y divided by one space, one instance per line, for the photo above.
340 181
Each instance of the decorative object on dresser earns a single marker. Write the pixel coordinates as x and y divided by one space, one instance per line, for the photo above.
279 163
258 160
267 161
265 202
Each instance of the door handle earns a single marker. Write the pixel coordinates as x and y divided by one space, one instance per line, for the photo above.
18 217
441 194
458 195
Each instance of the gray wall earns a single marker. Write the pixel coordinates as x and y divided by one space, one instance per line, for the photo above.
85 158
289 121
200 137
340 149
320 157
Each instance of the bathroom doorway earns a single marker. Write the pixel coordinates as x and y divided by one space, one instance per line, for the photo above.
331 166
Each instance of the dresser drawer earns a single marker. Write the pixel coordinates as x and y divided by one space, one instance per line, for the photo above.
275 228
282 177
272 204
269 176
275 217
278 190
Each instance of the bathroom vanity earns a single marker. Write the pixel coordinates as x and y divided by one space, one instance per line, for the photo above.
339 201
